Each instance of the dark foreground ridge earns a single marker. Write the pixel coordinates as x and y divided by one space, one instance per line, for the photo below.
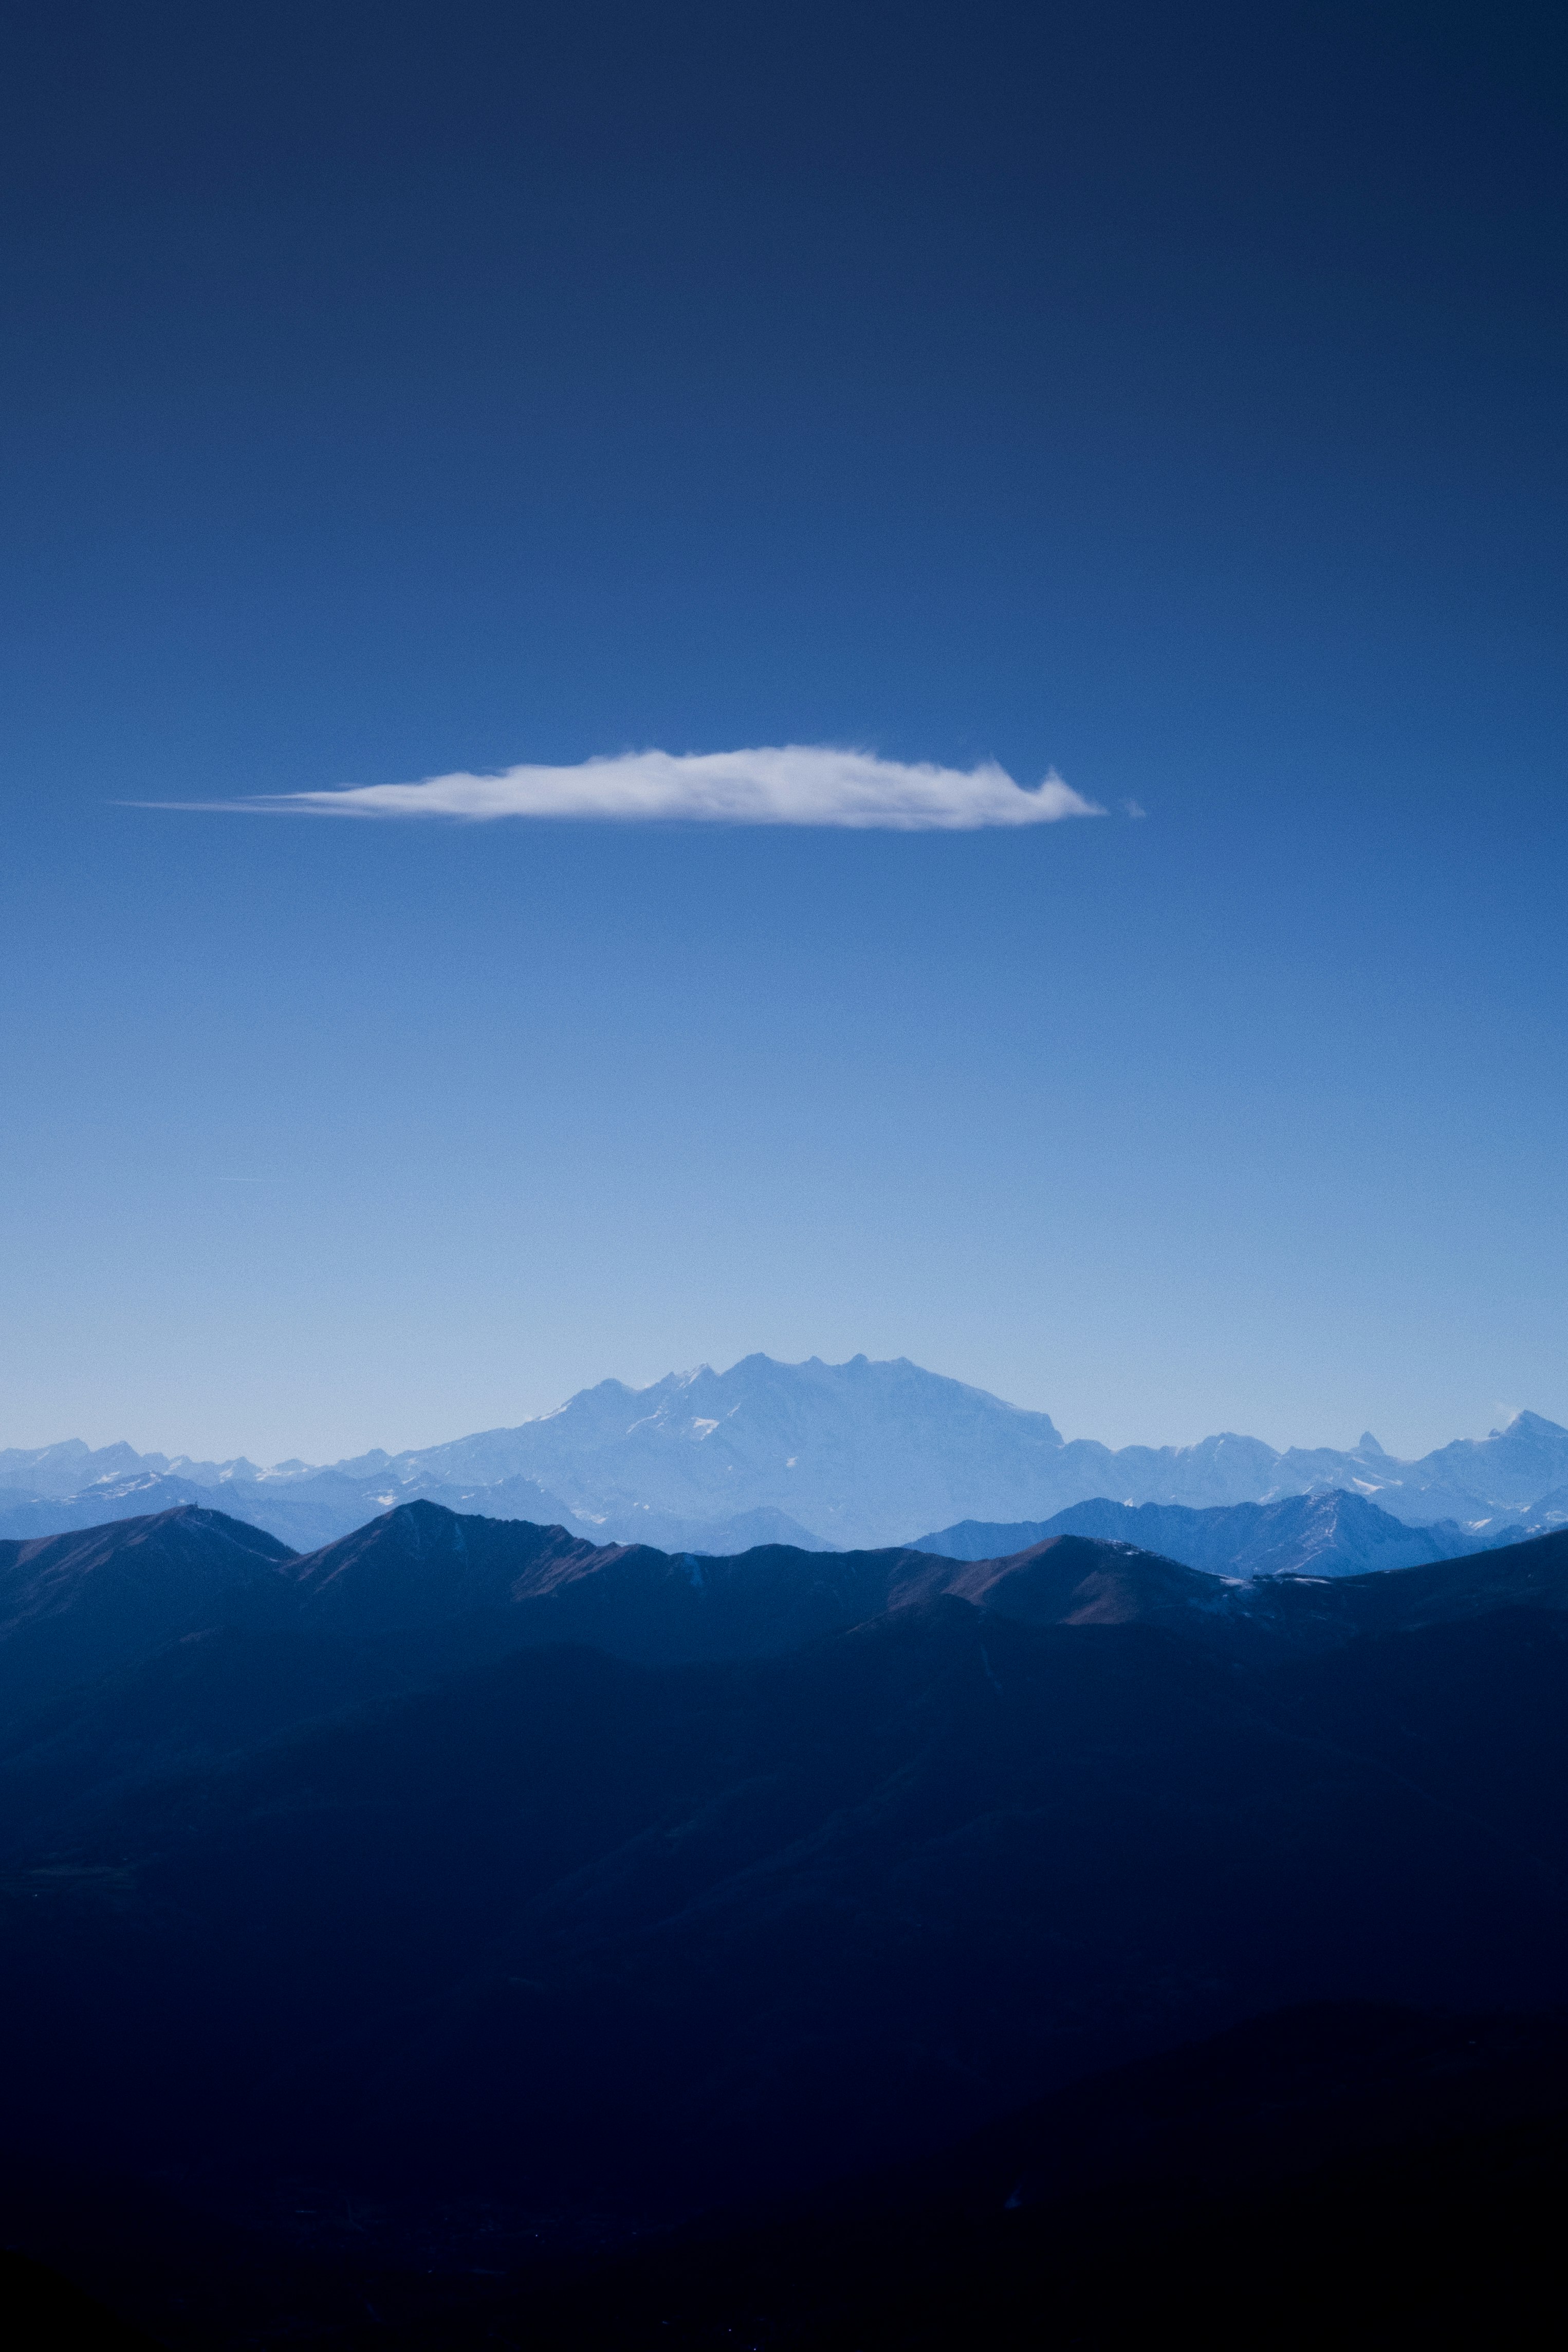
1351 2171
495 1890
436 1590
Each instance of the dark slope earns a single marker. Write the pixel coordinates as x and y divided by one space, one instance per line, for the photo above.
1072 1581
423 1591
1340 2172
421 1594
1331 2175
204 1697
1310 1611
429 1590
74 1606
420 1565
584 1933
38 2308
1078 1580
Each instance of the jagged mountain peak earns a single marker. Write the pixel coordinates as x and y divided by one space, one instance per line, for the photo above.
860 1452
1524 1423
1332 1532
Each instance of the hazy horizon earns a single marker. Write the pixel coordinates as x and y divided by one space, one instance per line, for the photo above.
325 1457
843 696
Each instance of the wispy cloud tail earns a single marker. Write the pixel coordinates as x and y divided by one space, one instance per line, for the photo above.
793 783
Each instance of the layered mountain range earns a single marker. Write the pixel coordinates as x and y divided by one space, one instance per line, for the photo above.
462 1858
422 1590
813 1454
1333 1532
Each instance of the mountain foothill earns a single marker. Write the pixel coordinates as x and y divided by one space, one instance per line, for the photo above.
532 1937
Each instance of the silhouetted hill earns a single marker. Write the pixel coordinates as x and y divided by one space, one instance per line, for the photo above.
419 1564
1340 2172
74 1606
423 1591
1312 1612
1069 1580
607 1937
429 1589
356 1887
304 1510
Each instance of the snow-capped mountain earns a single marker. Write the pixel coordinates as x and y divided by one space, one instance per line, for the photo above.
843 1455
1332 1532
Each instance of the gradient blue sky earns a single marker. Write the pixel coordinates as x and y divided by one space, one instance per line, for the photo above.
1172 396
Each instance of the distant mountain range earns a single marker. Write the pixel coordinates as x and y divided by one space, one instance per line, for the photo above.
1331 1533
819 1455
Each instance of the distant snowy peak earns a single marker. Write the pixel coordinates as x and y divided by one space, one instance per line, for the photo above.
859 1452
66 1468
849 1455
1329 1533
840 1449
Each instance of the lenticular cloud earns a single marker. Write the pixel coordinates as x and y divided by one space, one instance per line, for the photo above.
790 784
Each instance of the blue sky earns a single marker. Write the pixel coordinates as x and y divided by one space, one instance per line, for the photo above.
1172 399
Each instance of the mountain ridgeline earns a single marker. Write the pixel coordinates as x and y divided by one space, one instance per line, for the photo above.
830 1457
494 1888
423 1587
1330 1533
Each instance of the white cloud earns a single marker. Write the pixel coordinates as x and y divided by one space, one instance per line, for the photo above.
794 784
